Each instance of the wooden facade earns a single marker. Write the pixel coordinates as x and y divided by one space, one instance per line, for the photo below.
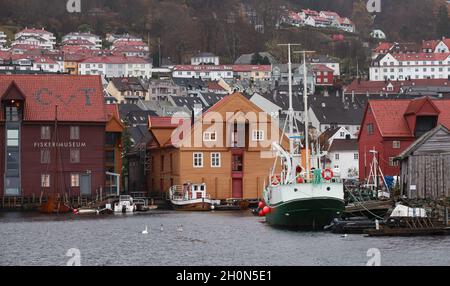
230 170
425 166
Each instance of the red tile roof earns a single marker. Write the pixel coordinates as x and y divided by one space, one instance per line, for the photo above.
250 68
321 68
163 122
383 46
429 44
35 31
422 56
375 87
79 98
390 115
115 60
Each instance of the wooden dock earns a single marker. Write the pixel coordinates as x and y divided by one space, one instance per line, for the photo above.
410 227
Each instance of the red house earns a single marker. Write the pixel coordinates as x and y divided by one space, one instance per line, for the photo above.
323 74
391 126
53 133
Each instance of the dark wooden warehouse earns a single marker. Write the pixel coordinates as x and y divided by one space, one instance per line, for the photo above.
425 166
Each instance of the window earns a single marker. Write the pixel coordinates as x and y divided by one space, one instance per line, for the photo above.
45 133
342 134
198 160
370 128
74 180
162 163
215 160
45 156
74 133
258 135
392 162
45 181
356 156
209 136
13 138
396 144
74 156
336 156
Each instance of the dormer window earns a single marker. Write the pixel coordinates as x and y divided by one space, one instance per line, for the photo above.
425 124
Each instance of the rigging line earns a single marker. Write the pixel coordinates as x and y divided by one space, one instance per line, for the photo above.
360 203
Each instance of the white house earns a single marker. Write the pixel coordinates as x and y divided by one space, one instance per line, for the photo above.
410 66
116 66
343 158
205 59
266 105
207 72
35 37
95 40
130 48
47 65
2 39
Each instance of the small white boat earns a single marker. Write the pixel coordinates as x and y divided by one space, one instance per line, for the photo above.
191 197
125 205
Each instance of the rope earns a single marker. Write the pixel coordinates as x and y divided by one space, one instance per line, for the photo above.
363 205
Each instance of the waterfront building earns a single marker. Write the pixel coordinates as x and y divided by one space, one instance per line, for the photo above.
57 135
232 165
389 127
424 166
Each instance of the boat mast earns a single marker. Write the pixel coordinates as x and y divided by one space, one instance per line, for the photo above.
306 117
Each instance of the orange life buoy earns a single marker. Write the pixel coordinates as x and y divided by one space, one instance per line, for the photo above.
327 174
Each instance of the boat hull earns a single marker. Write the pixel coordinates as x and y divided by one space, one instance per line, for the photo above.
312 214
191 205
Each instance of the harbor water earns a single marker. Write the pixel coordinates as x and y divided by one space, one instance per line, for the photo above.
216 238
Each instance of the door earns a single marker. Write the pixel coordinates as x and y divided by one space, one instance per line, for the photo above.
237 189
237 174
85 184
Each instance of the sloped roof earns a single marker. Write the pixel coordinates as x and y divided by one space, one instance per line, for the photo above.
343 145
78 98
413 147
390 116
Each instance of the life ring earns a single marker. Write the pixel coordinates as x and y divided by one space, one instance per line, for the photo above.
327 174
275 180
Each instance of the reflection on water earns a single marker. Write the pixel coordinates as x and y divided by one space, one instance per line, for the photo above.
217 238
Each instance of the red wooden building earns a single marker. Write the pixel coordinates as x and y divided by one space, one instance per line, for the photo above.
53 133
391 126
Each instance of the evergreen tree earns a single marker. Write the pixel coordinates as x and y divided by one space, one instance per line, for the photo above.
256 59
443 23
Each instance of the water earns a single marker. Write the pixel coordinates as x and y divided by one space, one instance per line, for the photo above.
217 238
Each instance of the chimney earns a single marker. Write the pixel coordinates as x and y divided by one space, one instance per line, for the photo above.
197 112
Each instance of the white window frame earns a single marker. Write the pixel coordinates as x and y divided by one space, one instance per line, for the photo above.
258 135
218 157
45 181
396 144
74 180
207 136
197 156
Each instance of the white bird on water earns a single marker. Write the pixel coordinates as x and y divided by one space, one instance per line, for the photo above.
344 235
161 228
145 231
180 228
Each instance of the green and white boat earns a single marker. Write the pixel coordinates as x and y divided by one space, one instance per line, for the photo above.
297 198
